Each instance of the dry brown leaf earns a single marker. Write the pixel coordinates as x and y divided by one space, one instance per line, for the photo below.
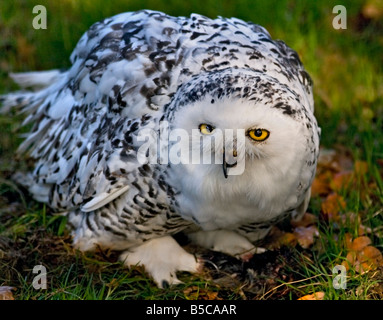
348 240
279 238
195 292
307 220
358 244
370 258
6 293
362 256
320 185
305 235
304 232
340 180
346 265
350 260
288 239
332 205
315 296
212 295
362 230
335 170
373 9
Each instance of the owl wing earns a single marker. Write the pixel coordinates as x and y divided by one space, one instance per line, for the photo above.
83 133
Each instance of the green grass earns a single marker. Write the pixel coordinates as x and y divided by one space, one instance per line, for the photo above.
347 69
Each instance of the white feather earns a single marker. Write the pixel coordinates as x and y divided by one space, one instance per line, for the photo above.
102 199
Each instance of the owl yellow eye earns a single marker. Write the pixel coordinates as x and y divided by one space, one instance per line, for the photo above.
206 128
258 134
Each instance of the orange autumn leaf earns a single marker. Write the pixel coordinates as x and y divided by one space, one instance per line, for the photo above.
370 258
332 205
348 240
305 235
307 220
279 238
350 260
6 293
315 296
360 243
320 185
362 256
373 9
340 180
195 292
288 239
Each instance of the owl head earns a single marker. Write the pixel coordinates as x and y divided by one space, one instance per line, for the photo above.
240 125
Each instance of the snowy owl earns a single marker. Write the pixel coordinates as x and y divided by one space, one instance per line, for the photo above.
131 142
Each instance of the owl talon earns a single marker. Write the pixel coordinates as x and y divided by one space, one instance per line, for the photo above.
227 242
162 258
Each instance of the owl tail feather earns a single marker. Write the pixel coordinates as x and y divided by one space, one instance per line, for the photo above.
35 81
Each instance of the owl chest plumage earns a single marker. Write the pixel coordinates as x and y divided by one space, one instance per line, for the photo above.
238 201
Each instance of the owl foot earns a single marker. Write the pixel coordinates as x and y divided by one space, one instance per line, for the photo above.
162 258
227 242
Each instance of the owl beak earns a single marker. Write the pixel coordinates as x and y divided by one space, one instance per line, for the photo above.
226 165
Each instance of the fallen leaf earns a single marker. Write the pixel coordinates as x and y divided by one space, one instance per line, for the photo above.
348 240
332 205
340 180
373 9
315 296
195 292
305 235
277 238
358 244
350 260
320 185
288 239
362 256
370 258
6 293
307 220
